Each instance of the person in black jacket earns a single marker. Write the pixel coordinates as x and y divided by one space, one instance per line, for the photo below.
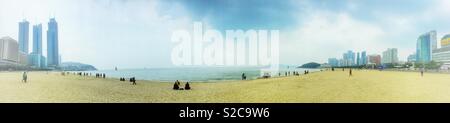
187 87
176 85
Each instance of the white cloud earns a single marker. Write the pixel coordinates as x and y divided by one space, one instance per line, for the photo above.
324 34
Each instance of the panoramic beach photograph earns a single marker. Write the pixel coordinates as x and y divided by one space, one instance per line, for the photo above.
224 51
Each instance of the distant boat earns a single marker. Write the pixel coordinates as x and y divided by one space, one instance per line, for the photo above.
115 68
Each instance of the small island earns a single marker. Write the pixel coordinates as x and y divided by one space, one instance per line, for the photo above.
76 66
310 65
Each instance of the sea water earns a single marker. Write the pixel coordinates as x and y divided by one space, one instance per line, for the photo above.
193 73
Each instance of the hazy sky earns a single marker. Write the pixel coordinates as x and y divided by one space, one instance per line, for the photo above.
136 33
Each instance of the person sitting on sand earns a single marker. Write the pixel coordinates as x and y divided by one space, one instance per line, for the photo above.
186 86
243 76
24 77
176 85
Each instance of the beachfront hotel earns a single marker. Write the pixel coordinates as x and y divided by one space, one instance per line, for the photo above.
426 43
390 56
442 54
53 58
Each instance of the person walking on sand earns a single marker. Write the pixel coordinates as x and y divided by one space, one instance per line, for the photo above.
350 72
421 72
24 77
133 80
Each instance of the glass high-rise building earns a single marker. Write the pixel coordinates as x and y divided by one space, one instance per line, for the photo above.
349 58
358 59
23 36
426 43
37 39
35 58
52 44
363 58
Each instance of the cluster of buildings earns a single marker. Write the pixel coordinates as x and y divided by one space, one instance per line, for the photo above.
13 52
351 58
426 51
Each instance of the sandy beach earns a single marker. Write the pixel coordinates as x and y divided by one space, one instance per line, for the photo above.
327 86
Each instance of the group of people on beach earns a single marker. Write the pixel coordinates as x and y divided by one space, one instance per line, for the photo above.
100 75
176 86
97 75
288 73
306 72
132 80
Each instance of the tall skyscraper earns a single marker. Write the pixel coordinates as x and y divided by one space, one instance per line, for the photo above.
425 45
23 36
390 56
53 59
37 39
363 58
349 58
433 39
35 58
358 59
